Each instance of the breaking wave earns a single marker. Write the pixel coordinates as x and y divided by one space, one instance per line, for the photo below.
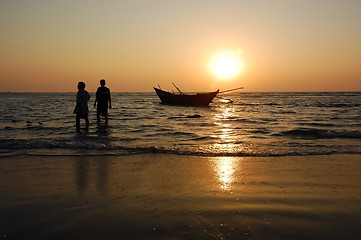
64 147
313 133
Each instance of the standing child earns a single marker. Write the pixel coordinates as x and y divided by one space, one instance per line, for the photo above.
81 108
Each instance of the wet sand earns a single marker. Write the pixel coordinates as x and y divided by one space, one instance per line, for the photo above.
157 196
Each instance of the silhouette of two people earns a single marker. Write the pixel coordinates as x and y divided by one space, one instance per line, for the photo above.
102 103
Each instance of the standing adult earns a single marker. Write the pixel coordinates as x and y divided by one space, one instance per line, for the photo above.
81 109
102 101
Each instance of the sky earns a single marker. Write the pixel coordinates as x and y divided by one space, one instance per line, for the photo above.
284 45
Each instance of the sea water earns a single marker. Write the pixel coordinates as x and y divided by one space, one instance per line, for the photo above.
237 124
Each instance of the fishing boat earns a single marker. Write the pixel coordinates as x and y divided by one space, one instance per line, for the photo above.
196 100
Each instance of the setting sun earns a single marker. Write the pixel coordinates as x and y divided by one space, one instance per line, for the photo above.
226 65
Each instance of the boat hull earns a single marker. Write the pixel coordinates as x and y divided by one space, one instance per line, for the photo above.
196 100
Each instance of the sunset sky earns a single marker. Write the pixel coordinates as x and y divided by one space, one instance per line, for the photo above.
282 45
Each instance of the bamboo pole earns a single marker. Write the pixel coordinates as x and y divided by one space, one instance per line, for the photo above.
234 89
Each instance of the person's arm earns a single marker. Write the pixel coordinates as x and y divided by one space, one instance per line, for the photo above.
96 99
77 103
110 101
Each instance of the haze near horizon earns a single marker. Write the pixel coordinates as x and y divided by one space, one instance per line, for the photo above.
48 46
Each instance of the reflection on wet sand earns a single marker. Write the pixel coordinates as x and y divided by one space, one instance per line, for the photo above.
103 176
81 175
224 168
86 171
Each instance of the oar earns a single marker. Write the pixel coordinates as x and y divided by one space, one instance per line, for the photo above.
234 89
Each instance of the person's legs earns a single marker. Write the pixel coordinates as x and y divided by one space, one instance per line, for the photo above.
106 116
77 121
102 111
87 121
98 113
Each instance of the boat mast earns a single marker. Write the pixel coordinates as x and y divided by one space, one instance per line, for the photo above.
178 89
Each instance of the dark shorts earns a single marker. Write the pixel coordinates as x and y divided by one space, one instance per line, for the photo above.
102 110
81 115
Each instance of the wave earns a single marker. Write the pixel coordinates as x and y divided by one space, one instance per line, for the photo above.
66 147
313 133
338 105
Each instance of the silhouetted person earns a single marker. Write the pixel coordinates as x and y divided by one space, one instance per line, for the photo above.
102 101
81 108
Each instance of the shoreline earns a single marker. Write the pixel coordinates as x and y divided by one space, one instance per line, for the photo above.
160 196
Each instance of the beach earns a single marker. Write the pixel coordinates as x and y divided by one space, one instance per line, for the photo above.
178 120
165 196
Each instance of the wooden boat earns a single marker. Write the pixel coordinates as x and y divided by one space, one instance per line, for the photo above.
196 100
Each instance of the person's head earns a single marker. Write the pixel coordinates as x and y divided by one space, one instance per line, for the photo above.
102 82
81 85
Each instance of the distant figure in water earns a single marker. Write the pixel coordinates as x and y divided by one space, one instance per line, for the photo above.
102 101
81 108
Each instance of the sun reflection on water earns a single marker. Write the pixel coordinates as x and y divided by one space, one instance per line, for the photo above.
226 142
225 133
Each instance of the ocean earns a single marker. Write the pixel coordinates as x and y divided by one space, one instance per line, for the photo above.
251 124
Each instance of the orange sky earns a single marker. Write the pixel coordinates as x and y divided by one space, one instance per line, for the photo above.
48 46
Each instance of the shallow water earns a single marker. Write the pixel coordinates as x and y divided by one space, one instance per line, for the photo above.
255 124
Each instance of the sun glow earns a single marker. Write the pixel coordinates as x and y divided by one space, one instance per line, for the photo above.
226 64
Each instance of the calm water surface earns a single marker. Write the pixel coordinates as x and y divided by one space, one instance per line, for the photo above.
255 124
